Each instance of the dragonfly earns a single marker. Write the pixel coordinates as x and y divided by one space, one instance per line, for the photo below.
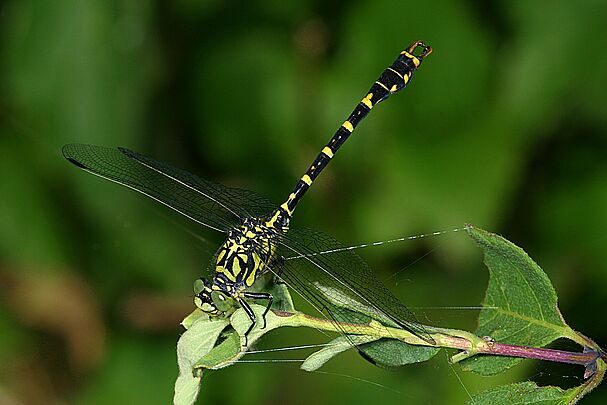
341 286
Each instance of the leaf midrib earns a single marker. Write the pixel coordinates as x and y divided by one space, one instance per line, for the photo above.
556 327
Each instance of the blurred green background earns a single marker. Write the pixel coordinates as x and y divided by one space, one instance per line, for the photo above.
504 126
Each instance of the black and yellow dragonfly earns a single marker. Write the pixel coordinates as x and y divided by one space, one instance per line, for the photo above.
340 285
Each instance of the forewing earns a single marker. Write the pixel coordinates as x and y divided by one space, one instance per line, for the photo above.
242 203
203 201
340 283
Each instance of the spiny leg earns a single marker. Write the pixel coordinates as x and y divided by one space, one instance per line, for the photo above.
247 309
261 296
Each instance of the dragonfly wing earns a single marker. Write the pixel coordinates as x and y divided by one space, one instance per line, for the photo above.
340 283
242 203
202 201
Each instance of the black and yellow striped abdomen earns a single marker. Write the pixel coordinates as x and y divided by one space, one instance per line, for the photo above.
393 79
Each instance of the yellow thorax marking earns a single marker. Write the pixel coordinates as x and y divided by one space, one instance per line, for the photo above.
228 274
251 278
327 151
221 254
348 125
367 100
236 267
393 89
406 78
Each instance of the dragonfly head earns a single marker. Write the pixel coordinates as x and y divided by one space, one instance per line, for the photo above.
210 301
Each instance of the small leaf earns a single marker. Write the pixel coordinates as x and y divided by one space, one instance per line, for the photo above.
338 345
190 319
193 344
282 298
240 322
221 355
520 305
392 353
524 393
280 292
387 353
353 305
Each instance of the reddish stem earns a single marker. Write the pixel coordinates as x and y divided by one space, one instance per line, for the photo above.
560 356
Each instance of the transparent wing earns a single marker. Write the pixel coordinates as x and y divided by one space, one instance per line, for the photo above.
242 203
208 203
341 284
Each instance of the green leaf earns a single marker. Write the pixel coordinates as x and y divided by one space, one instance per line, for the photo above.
282 298
193 344
223 354
529 393
197 349
392 353
193 317
338 345
387 353
280 292
524 393
520 305
240 322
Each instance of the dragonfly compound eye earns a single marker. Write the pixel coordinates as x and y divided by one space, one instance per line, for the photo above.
204 304
200 284
203 300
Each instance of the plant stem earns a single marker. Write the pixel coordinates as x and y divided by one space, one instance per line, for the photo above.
469 344
559 356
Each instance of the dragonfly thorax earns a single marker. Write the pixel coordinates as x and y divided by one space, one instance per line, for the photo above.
246 254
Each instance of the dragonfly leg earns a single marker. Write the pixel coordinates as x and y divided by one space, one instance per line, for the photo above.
261 296
247 309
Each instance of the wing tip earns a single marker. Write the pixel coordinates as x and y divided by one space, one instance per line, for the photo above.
75 153
76 163
66 149
127 152
68 153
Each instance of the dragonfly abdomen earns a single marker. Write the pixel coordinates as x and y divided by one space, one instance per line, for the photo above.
393 79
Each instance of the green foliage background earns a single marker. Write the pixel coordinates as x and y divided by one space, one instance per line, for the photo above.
504 126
